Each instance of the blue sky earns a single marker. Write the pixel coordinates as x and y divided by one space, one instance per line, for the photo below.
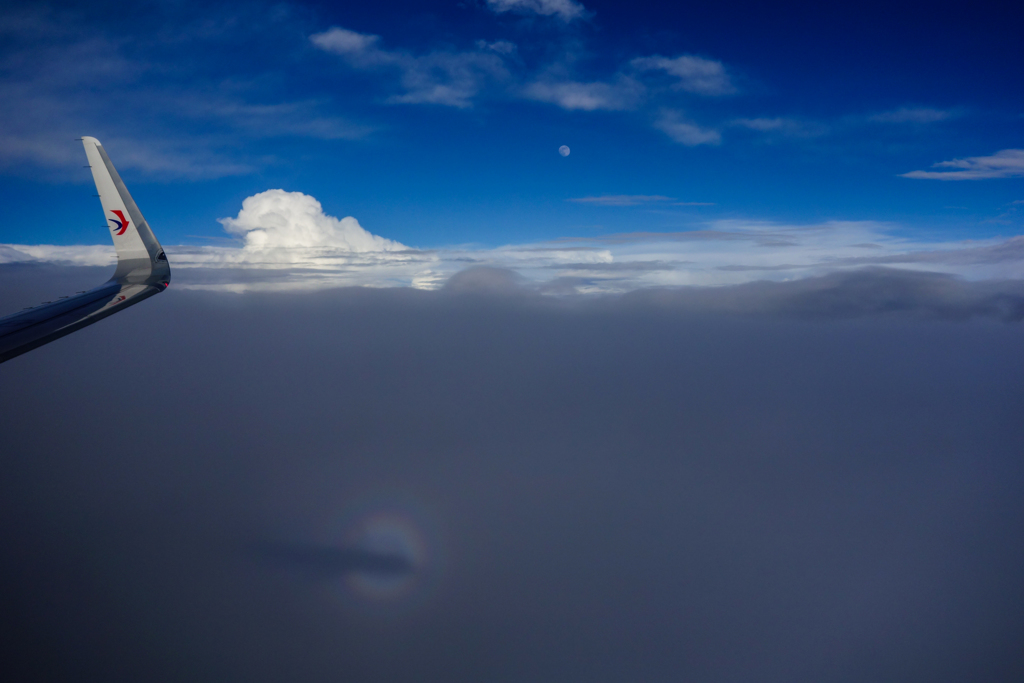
438 123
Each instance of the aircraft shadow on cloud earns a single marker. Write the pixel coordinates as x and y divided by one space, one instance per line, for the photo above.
142 270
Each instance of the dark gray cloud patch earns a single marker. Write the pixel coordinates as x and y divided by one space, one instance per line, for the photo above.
487 279
869 292
755 485
1008 251
29 284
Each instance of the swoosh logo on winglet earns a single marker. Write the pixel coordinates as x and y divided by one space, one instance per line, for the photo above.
122 222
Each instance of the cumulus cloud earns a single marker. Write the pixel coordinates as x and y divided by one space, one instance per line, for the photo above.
448 78
693 74
1008 163
623 93
276 219
686 132
566 10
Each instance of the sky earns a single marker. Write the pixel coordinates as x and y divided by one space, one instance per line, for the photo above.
729 392
438 126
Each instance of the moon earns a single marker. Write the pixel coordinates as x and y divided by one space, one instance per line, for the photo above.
563 150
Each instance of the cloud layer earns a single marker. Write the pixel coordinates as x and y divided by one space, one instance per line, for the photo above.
287 241
613 489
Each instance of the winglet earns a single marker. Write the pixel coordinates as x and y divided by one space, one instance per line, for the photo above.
140 258
142 270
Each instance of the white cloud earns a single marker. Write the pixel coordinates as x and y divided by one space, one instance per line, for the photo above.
290 243
566 10
763 124
442 77
276 219
693 74
686 132
77 255
625 93
788 127
502 47
912 115
1008 163
341 41
622 199
299 119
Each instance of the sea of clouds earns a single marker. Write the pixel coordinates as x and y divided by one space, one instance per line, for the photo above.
816 479
285 240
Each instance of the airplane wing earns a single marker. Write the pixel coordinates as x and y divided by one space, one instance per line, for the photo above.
142 270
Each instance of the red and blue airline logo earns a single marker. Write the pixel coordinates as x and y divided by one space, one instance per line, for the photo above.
121 223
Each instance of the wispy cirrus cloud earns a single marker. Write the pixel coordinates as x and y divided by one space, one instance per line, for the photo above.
1008 163
685 132
448 78
634 200
566 10
799 127
691 73
622 199
913 115
265 120
181 126
783 126
621 94
502 47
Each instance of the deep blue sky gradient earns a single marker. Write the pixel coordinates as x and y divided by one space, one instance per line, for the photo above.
430 175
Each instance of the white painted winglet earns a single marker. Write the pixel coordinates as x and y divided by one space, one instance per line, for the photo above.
139 255
142 270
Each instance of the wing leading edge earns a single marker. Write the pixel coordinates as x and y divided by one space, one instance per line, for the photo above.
142 270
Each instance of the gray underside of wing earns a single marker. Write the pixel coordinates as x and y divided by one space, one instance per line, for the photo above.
30 329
